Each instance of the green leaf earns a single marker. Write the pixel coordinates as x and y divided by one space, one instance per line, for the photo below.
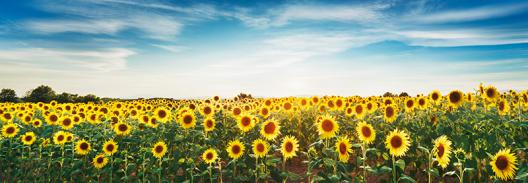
401 164
423 149
407 178
434 172
523 176
450 173
469 169
328 162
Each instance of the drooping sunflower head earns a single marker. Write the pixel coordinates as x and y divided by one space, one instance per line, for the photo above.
82 147
260 148
110 147
442 151
209 156
390 113
270 129
122 128
188 120
289 147
504 164
455 98
397 142
28 138
209 124
9 130
245 122
366 132
343 148
159 149
100 161
327 126
503 107
235 149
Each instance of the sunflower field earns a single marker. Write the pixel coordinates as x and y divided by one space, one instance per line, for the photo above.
480 136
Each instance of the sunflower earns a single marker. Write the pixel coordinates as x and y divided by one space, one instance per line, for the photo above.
7 117
52 119
327 127
37 123
366 132
410 104
207 111
491 93
28 138
455 98
66 122
122 128
260 148
264 112
289 147
59 138
443 151
360 111
100 161
422 103
390 113
397 142
435 96
110 147
82 147
162 114
245 122
270 129
188 120
159 149
9 130
503 107
504 164
209 124
235 149
209 156
344 148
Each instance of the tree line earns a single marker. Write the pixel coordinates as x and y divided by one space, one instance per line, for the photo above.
46 94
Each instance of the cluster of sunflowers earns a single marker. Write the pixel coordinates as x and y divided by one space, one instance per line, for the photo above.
464 137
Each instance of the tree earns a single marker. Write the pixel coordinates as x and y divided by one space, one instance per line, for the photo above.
8 95
66 98
388 94
40 94
404 94
89 98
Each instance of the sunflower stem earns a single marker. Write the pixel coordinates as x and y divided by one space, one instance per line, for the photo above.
393 169
364 152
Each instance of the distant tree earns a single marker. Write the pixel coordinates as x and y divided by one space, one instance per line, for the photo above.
388 94
243 96
40 94
89 98
404 94
66 98
8 95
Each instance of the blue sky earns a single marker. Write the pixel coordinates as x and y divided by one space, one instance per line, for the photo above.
182 49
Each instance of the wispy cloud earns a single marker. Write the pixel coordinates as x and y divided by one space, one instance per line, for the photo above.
171 48
470 14
53 59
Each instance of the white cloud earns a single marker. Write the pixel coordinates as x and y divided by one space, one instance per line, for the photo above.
70 60
479 13
80 26
171 48
351 14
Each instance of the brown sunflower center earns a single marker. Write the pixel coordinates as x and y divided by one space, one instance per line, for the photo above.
396 142
209 156
60 138
455 97
235 149
270 128
122 127
389 112
187 119
110 147
410 103
28 138
501 106
501 162
260 147
209 124
100 160
10 130
490 93
287 106
246 121
84 146
359 109
288 146
421 101
158 149
366 131
435 96
207 110
327 125
441 150
342 148
237 111
53 118
66 122
162 113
